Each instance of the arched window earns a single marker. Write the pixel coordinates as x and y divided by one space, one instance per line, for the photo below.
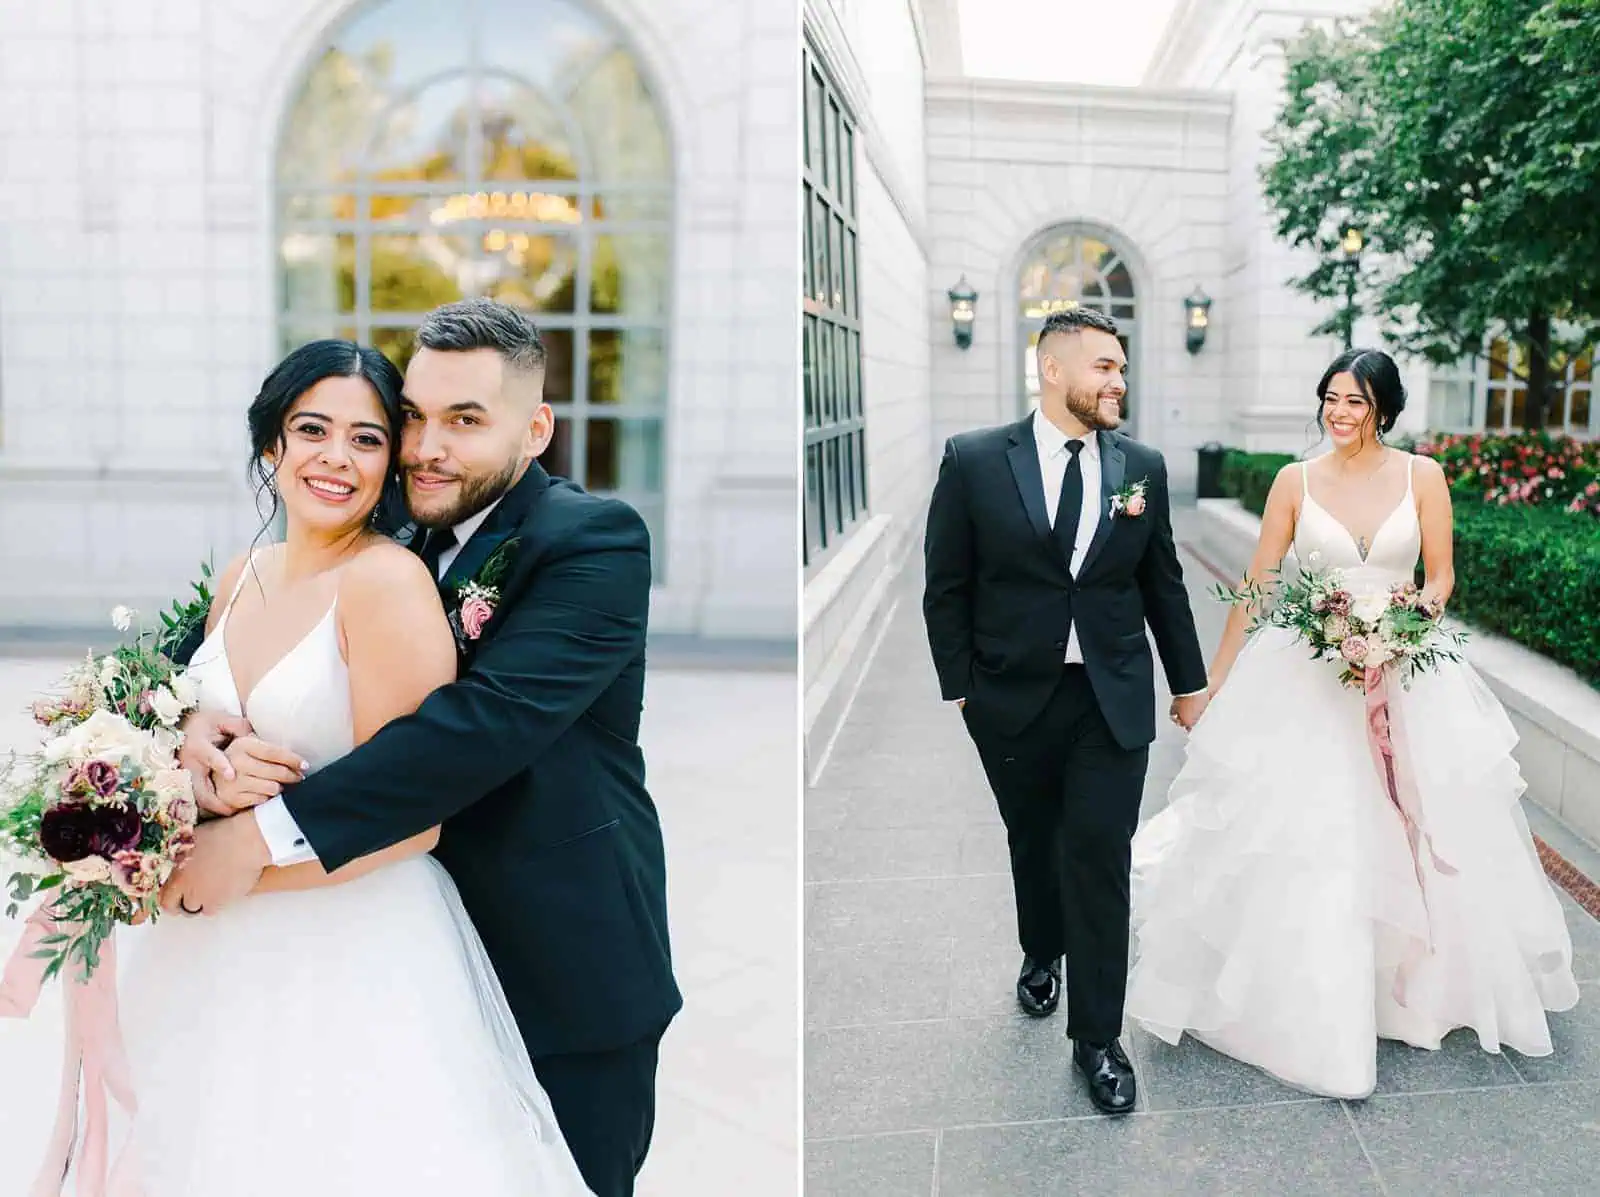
1066 268
508 148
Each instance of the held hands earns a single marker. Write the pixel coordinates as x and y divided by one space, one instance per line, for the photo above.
233 769
1186 711
227 861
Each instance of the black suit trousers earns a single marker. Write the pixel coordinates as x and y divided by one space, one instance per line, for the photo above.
1069 795
605 1103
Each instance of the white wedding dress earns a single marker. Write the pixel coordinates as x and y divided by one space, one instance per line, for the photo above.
1275 898
333 1042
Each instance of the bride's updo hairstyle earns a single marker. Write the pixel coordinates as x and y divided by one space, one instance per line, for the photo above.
293 377
1378 377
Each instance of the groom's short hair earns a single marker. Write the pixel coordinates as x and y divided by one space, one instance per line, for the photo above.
480 323
1075 320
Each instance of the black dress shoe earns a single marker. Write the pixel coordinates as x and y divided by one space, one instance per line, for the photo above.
1039 987
1109 1074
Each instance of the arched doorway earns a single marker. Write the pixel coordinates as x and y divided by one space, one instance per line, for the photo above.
508 148
1066 267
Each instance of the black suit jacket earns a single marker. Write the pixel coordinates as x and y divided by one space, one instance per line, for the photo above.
1000 598
530 761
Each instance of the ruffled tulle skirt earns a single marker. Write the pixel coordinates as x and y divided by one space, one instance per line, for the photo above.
1277 909
341 1041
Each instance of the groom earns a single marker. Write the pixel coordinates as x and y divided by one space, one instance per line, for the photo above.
530 760
1048 548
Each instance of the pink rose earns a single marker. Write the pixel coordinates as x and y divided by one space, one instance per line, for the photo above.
137 874
1135 506
475 612
1339 602
1354 649
184 812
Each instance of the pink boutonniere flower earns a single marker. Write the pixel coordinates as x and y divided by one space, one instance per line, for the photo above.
478 599
1130 500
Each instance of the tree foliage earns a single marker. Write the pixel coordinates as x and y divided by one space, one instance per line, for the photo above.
1462 137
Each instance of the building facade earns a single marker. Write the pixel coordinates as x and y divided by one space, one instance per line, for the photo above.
193 187
1142 201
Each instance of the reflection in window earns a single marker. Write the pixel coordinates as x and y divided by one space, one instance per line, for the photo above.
835 468
1065 269
508 148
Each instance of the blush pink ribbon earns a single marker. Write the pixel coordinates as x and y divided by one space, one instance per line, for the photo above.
95 1061
1388 754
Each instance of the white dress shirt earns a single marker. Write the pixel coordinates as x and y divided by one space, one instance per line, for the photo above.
277 826
1053 459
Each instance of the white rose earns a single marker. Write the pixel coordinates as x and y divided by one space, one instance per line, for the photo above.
1378 655
90 868
101 734
1369 608
109 669
166 706
121 618
186 691
172 783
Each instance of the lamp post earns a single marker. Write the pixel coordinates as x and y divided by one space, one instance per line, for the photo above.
963 311
1197 318
1351 244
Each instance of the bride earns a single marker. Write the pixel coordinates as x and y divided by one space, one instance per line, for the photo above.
334 1034
1280 915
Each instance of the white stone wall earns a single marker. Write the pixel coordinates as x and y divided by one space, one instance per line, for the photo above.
1146 169
875 53
136 294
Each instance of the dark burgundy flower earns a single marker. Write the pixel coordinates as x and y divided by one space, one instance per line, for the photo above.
70 833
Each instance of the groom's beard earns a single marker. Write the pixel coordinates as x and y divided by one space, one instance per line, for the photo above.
476 493
1085 404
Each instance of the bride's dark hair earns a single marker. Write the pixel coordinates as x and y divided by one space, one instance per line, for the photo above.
293 377
1379 378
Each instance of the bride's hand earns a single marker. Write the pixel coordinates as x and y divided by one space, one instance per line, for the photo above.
201 754
259 772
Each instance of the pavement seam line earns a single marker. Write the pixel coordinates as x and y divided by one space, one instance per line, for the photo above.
1350 1121
855 692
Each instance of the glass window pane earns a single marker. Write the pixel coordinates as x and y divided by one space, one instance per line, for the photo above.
861 458
318 272
1120 281
813 518
848 261
624 455
396 344
825 374
636 204
835 149
523 138
819 250
847 186
808 338
856 408
547 41
630 275
557 457
628 367
618 122
1519 407
841 372
537 271
1494 418
1581 410
558 372
807 281
319 207
836 264
1497 358
411 272
424 137
815 158
398 44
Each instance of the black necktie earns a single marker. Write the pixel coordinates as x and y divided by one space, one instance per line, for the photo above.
439 541
1070 506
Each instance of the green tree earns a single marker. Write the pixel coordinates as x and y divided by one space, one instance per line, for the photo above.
1462 137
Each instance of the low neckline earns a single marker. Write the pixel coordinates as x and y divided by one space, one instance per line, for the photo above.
239 697
1355 543
1379 531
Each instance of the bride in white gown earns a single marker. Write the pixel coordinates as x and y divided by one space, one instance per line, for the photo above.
329 1036
1278 910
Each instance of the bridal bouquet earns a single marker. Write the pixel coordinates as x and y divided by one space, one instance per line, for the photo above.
1363 632
101 814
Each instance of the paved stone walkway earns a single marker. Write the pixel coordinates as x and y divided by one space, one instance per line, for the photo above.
922 1076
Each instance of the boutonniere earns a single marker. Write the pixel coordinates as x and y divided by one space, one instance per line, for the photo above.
478 597
1129 501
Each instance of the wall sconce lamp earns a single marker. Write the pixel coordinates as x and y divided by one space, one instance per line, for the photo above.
963 311
1197 310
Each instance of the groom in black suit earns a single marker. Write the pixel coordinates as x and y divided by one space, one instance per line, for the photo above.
530 761
1049 548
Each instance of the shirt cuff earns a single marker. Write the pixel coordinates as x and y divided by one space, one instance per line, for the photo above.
282 834
1193 693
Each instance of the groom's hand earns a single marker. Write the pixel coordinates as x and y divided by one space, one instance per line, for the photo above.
1186 711
228 859
258 771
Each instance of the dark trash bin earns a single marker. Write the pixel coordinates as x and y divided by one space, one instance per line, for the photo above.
1208 478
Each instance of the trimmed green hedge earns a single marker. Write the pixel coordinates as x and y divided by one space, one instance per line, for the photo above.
1528 573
